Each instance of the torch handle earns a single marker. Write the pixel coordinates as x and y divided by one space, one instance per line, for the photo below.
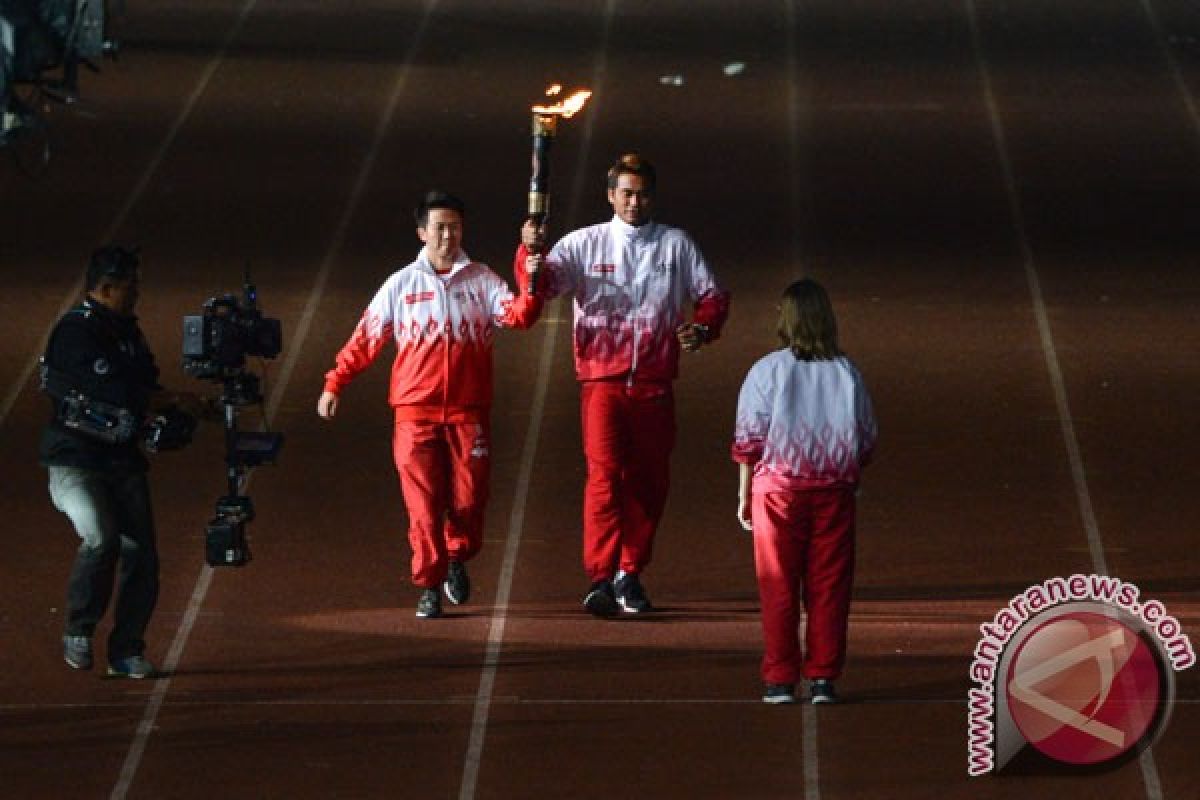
539 176
544 128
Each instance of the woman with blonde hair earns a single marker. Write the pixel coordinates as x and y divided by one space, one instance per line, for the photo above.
805 428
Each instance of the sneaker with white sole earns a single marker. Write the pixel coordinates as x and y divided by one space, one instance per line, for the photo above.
135 667
600 600
429 605
779 693
457 585
822 692
631 595
77 651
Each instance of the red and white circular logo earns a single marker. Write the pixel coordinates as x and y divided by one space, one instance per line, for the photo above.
1084 688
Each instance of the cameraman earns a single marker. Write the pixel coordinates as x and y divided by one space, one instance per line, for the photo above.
97 351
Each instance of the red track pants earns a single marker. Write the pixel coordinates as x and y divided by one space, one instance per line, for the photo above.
628 434
444 476
804 552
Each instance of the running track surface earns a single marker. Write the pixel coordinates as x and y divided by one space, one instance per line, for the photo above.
1001 198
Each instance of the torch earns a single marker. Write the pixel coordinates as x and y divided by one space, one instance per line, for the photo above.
545 126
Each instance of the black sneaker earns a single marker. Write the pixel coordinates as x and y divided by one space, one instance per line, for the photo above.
779 693
630 594
600 600
457 585
430 604
821 692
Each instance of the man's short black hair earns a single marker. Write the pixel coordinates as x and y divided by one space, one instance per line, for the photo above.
632 164
437 199
113 262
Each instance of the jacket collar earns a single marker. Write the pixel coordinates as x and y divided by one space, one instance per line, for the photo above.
103 312
460 261
627 231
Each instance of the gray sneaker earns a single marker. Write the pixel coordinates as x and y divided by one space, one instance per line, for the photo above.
77 652
429 606
136 667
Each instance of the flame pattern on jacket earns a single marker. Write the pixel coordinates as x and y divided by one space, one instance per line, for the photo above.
629 286
444 329
804 424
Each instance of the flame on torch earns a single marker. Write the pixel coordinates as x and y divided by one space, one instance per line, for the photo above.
545 123
569 107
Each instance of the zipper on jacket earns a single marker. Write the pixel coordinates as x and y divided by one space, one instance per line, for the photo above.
637 305
447 327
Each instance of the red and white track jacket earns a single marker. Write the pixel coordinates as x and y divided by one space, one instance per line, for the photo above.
630 285
804 424
443 328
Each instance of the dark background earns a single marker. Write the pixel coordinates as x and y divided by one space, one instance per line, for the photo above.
1000 196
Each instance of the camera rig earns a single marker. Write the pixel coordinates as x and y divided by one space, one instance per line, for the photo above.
215 345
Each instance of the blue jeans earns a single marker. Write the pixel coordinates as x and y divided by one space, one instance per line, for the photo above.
112 515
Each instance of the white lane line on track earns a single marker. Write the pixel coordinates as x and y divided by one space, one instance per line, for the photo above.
1181 84
810 751
1154 789
1149 769
794 114
484 698
162 685
1058 384
137 747
134 197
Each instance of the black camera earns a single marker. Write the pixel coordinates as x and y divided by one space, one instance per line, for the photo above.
216 342
215 346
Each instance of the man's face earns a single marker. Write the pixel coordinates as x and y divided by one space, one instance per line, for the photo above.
632 199
442 234
119 296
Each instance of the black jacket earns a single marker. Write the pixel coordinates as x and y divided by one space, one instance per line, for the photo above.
105 357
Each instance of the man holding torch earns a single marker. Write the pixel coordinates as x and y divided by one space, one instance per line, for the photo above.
630 279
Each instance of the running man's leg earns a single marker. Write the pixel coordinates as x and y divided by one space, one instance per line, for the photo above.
646 476
419 451
469 452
